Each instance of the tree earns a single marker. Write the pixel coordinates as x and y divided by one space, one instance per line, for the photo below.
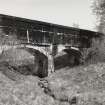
99 10
76 25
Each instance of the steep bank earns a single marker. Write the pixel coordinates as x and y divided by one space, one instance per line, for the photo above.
76 86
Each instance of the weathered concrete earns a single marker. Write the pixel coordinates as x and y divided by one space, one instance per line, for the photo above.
44 58
44 63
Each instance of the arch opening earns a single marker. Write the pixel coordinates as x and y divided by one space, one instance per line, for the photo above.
40 65
75 56
68 58
40 68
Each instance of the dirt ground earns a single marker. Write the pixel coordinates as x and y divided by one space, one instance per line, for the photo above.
82 85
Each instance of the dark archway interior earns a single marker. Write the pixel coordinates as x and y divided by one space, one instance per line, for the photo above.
41 65
40 68
76 53
71 58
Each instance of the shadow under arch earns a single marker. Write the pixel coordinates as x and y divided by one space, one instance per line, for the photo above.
76 54
40 63
70 58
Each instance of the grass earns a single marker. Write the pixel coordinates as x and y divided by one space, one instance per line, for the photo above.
82 85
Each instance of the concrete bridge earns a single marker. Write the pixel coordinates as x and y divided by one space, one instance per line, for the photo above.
45 40
45 55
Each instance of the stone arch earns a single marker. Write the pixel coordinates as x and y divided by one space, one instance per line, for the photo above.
67 56
74 55
43 63
40 68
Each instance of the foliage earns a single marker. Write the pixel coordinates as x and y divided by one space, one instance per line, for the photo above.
99 10
96 53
